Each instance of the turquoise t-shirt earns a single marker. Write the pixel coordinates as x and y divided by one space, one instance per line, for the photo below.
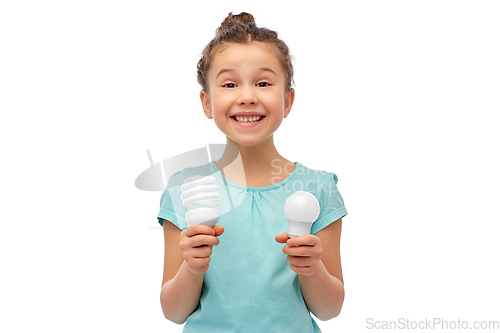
249 286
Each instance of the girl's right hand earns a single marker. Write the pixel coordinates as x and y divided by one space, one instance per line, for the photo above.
191 243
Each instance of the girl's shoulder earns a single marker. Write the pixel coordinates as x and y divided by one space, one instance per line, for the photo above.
315 175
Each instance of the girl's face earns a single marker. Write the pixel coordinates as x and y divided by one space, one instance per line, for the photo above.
247 79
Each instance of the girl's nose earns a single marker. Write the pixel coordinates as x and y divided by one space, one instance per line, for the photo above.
247 96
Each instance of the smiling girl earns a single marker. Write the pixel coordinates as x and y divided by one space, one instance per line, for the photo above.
246 280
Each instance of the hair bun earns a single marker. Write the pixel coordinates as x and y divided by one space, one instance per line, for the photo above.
232 20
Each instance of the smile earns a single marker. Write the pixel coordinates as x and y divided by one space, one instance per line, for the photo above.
247 121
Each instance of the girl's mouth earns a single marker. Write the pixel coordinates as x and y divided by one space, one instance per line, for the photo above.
247 121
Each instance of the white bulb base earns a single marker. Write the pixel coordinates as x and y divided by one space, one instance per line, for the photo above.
202 215
298 228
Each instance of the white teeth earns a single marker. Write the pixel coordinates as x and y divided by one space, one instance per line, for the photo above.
248 119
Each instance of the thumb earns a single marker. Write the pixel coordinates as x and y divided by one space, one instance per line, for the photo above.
282 238
219 230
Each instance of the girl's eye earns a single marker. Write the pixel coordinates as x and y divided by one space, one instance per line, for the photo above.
229 85
263 84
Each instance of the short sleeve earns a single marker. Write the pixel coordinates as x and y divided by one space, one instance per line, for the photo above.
171 207
331 203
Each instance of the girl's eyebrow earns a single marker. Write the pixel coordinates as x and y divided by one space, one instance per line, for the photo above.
266 69
224 70
263 69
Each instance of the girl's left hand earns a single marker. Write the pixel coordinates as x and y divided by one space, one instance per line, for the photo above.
304 252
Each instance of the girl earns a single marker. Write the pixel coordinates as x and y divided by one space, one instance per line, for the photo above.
237 276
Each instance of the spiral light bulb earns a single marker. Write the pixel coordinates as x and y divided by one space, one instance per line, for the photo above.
301 210
195 191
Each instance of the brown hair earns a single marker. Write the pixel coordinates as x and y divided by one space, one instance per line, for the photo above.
242 29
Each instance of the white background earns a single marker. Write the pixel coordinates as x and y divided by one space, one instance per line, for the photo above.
399 98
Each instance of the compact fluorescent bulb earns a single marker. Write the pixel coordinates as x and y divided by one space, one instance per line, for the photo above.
196 191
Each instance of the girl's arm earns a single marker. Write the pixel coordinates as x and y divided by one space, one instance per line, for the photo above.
316 259
323 291
184 266
181 289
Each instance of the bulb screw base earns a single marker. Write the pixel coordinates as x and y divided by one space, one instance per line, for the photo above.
298 228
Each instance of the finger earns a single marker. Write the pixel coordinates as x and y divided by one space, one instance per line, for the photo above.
198 263
202 252
305 270
199 229
199 240
299 261
304 240
282 238
219 230
298 251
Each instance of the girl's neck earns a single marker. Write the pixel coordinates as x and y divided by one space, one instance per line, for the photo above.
256 166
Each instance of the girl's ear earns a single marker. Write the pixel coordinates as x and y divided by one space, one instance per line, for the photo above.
205 102
289 98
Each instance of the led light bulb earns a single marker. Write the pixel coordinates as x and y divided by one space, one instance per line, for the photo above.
195 191
301 210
